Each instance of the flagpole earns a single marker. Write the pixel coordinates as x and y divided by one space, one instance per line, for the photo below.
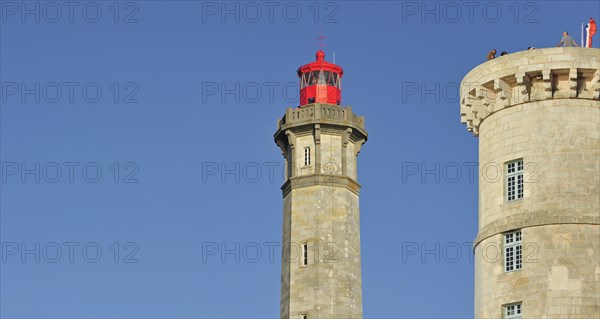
582 44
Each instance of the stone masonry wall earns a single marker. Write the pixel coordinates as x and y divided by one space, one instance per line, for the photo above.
541 106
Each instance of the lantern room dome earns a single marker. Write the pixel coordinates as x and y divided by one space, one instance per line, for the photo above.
320 55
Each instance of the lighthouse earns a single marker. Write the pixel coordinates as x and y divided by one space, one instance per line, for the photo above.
320 141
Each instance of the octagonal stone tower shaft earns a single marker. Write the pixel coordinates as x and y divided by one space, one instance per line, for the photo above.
321 265
537 116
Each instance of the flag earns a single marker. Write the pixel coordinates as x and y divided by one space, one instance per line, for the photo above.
591 30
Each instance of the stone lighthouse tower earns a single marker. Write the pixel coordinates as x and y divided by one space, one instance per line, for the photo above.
537 115
320 140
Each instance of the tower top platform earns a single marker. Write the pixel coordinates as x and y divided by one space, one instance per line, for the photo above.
318 113
528 76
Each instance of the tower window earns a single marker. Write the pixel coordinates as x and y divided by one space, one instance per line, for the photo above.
512 311
303 316
512 251
306 156
304 254
514 180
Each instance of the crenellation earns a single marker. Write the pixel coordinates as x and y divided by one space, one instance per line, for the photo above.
522 77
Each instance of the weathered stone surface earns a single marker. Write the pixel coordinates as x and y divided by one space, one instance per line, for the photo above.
541 106
320 208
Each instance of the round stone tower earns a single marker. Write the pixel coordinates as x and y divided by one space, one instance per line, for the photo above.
537 116
320 141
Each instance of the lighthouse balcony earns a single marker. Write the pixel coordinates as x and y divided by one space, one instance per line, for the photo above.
321 113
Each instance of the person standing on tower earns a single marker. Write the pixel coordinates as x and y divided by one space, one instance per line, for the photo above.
567 40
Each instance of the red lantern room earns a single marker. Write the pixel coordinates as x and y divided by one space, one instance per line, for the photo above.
320 82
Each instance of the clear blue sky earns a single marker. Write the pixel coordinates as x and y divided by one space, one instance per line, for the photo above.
165 62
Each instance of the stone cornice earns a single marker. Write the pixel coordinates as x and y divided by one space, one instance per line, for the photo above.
528 76
320 180
532 219
326 115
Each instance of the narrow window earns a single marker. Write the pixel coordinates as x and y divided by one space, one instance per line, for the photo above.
306 156
512 311
512 251
304 254
303 316
514 180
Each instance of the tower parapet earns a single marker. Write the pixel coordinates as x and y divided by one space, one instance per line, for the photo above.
322 113
537 116
528 76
